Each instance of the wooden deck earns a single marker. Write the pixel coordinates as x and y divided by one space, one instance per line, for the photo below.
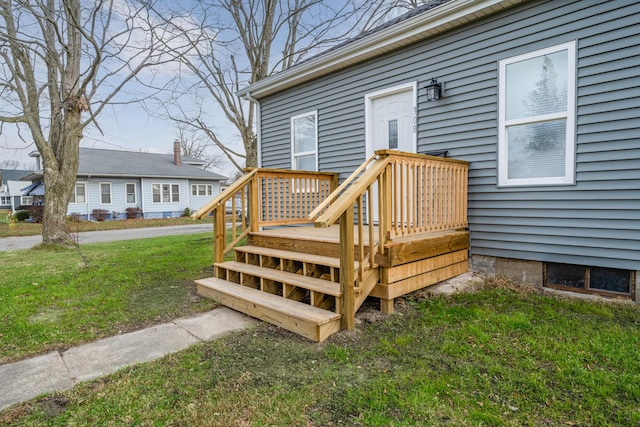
407 264
312 278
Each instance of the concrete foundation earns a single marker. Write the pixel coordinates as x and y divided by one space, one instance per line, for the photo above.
529 272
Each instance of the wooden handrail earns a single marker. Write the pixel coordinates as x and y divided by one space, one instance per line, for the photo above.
264 197
338 191
349 196
416 194
223 197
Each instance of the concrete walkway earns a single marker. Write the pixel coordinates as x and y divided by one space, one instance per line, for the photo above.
57 371
26 242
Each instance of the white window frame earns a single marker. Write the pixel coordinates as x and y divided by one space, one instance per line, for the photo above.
126 193
5 200
294 155
110 193
161 188
155 187
195 190
171 193
569 115
75 193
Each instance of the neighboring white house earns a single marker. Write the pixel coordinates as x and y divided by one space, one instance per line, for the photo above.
11 195
159 185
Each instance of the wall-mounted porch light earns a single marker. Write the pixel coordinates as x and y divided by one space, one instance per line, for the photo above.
435 90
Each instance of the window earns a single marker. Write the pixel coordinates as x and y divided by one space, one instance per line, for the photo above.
130 190
165 193
304 142
79 194
155 190
201 190
105 193
5 200
175 193
600 280
537 117
26 200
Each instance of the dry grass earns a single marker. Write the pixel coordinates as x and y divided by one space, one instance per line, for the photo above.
33 229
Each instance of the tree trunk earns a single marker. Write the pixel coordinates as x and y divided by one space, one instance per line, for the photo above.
251 151
60 173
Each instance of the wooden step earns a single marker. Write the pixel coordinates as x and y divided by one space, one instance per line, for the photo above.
311 322
294 244
293 256
310 283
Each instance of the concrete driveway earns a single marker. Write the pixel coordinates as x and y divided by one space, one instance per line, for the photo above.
12 243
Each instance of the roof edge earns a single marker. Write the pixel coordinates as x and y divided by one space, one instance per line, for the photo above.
431 22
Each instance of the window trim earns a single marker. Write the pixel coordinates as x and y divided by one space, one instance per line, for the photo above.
294 155
569 177
126 193
171 188
161 188
110 193
153 186
208 190
74 194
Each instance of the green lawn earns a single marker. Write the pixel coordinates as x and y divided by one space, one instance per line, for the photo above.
49 300
493 357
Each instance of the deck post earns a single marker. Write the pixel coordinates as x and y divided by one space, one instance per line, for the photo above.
347 273
253 211
334 182
386 305
219 234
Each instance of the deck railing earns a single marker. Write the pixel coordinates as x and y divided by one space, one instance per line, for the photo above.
404 194
264 197
392 195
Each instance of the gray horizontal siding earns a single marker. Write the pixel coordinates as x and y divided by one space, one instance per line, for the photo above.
594 222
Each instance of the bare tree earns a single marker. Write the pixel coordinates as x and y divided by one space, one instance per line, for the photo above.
9 164
194 144
237 43
61 63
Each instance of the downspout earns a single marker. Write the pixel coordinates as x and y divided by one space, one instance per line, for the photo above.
86 197
142 195
250 98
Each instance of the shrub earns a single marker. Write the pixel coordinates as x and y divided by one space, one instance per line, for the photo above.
5 218
187 212
21 215
100 214
133 213
36 212
74 217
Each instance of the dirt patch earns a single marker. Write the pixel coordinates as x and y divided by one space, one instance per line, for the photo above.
54 405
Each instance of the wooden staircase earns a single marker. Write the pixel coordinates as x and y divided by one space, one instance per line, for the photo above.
312 278
296 290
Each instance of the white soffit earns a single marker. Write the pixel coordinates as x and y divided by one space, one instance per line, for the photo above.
434 21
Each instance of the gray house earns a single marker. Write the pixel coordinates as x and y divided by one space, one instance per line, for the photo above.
542 97
159 185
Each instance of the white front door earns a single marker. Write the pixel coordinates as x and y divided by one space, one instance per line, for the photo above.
390 116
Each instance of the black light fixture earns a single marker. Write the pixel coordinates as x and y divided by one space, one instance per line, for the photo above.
435 90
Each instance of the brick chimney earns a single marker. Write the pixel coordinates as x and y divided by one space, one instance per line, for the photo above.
177 159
